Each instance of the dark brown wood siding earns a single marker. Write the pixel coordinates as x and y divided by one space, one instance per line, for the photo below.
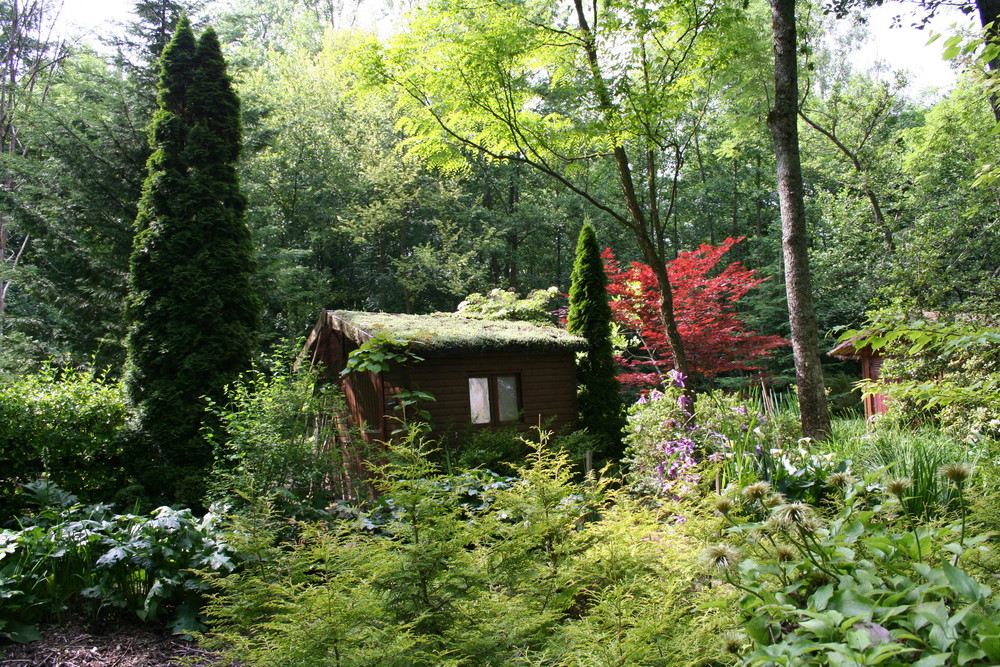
547 381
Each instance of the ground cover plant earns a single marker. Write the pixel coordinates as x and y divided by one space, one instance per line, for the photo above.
858 581
72 559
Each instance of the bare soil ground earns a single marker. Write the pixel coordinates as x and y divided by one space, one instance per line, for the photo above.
73 645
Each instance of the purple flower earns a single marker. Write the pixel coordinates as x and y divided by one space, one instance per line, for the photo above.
740 409
685 403
716 456
718 436
642 400
878 634
655 395
676 378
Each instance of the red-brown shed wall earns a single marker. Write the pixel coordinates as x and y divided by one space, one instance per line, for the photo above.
547 379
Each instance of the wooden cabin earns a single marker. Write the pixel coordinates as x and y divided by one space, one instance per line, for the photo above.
481 373
871 365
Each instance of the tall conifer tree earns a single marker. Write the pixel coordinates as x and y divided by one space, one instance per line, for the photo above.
589 316
193 314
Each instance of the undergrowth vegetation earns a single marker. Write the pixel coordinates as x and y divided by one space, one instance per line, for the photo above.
860 581
64 424
724 539
68 558
547 570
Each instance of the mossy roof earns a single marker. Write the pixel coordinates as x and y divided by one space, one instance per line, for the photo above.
449 332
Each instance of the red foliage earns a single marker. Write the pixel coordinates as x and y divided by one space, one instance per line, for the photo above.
713 333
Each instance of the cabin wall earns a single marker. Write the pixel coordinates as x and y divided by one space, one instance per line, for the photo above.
547 382
871 366
363 392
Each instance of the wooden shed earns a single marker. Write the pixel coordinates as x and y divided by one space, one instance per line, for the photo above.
481 373
871 365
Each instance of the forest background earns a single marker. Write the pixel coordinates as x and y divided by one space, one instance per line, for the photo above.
354 202
462 152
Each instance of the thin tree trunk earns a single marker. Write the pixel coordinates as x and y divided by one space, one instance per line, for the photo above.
758 204
513 242
989 14
23 62
866 187
704 184
736 198
783 122
638 222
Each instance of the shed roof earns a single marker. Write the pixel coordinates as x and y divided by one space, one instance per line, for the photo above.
443 332
847 349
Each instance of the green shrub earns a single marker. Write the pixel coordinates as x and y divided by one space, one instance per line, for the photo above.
68 556
642 599
498 304
496 449
843 395
940 370
547 571
277 439
63 424
501 450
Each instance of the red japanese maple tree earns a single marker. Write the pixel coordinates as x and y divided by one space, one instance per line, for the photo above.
713 332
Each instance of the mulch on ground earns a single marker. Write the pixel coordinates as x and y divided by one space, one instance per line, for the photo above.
72 645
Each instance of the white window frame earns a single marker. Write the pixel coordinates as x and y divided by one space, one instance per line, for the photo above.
488 386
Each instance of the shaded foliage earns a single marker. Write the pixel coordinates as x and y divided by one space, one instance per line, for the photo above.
194 317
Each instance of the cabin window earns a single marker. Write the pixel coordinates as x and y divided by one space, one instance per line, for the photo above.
495 399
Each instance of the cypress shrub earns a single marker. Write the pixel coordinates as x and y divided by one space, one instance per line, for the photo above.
193 315
600 404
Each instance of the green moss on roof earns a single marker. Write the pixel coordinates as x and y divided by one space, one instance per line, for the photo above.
440 332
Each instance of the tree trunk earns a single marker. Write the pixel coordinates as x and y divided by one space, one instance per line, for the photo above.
989 14
26 56
783 122
637 217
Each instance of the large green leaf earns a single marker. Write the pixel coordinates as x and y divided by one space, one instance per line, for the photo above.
963 584
22 633
849 603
